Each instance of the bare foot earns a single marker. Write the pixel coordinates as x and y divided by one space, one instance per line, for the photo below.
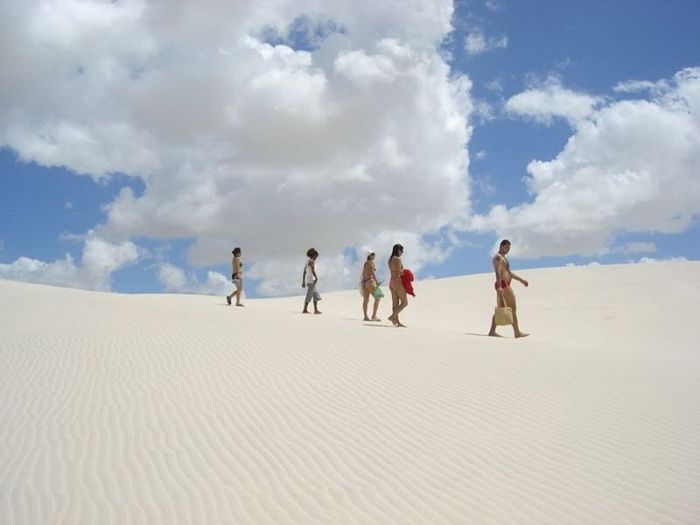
305 312
521 334
494 334
317 312
228 300
240 304
392 318
376 319
367 319
399 325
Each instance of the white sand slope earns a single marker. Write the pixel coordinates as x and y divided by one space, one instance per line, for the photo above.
179 409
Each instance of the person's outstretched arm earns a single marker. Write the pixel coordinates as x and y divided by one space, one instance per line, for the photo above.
520 279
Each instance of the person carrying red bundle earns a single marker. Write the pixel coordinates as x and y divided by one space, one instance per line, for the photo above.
399 298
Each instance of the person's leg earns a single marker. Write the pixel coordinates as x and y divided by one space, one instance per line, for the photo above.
365 302
394 304
307 299
316 297
403 303
510 300
501 304
239 292
492 330
374 310
229 297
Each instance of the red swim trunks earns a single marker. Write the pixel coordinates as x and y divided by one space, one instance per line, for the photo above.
502 284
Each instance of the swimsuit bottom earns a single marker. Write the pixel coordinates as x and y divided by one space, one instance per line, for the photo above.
503 284
396 284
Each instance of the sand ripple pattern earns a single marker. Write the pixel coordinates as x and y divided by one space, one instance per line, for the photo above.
170 409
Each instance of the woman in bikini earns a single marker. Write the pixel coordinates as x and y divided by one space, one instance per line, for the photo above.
369 285
236 276
399 299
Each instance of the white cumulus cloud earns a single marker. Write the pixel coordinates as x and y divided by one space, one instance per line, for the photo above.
651 260
552 100
638 247
331 136
476 42
100 259
177 280
494 5
630 166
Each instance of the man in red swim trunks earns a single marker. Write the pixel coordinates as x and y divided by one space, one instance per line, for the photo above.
504 293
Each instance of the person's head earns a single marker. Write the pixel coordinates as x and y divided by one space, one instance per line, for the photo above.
505 246
370 256
311 253
397 250
236 252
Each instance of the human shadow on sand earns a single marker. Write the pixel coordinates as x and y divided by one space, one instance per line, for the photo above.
483 335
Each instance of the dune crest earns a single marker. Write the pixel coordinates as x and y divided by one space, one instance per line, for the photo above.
179 409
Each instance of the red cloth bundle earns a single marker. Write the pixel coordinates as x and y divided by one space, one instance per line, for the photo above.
406 279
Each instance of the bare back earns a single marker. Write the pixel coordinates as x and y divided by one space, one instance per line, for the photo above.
395 267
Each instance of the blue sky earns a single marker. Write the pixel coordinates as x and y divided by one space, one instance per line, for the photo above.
591 46
136 177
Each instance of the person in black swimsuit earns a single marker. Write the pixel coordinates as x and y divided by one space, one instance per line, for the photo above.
236 277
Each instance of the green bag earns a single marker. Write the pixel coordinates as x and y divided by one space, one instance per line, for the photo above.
377 293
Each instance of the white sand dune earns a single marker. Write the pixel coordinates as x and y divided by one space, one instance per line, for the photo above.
179 409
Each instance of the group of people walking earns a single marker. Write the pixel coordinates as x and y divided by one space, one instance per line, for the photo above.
369 286
400 286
